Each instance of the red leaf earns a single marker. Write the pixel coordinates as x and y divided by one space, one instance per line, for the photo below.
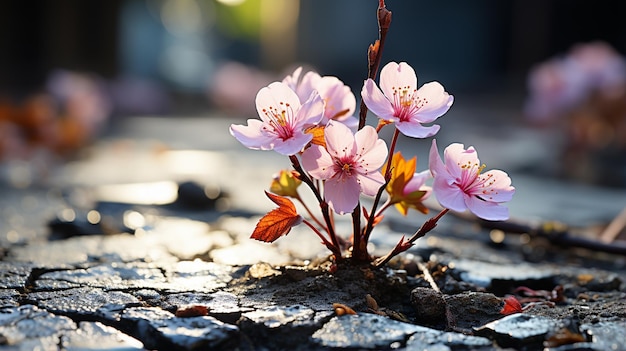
277 222
511 305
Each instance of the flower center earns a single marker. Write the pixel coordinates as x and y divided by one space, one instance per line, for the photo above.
280 120
347 169
406 102
473 183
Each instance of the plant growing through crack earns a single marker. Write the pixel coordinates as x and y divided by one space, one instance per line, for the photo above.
309 119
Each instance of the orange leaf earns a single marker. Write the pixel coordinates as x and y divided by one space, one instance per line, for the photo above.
401 173
277 222
318 135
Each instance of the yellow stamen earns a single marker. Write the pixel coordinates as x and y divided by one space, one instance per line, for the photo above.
480 169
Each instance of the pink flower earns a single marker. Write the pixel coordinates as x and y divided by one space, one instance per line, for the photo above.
283 121
402 103
459 184
349 164
339 101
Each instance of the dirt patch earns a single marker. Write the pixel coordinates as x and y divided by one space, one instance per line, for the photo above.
403 292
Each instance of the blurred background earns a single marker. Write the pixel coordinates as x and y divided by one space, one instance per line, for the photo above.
70 69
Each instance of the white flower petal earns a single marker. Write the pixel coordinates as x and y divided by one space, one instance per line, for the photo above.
339 140
416 130
490 211
342 194
398 76
251 135
436 102
318 163
376 101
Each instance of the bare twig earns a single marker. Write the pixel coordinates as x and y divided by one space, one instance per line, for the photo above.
612 231
427 276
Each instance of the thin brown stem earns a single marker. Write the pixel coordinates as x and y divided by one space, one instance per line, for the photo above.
375 52
404 245
333 248
384 207
359 244
392 149
313 217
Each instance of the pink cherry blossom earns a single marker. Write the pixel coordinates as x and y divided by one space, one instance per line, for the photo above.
349 164
283 121
339 101
399 101
460 185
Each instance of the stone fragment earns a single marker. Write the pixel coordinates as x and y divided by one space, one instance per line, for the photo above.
148 296
436 340
197 276
92 336
111 276
9 298
606 335
159 329
83 302
282 326
519 330
365 331
14 275
472 309
429 305
29 328
93 248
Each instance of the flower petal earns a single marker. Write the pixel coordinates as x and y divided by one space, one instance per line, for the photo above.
339 99
293 80
449 195
417 183
376 101
456 157
490 211
302 85
318 162
416 130
437 101
399 76
371 182
275 95
342 194
435 164
372 150
307 85
499 187
251 135
311 112
292 145
339 140
350 121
